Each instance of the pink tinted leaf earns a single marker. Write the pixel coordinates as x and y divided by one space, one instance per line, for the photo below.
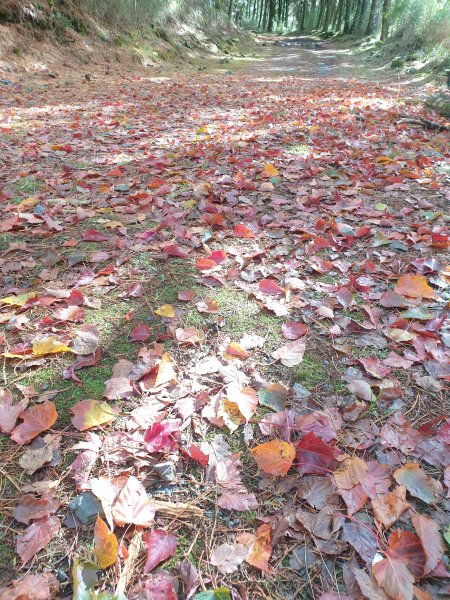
140 333
160 545
294 330
36 537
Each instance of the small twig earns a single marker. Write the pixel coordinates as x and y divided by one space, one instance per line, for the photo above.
423 122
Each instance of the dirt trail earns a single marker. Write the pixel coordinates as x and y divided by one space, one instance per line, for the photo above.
184 241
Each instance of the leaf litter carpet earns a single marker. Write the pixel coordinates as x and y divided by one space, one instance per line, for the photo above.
225 347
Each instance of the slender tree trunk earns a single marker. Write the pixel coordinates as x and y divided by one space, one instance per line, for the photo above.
363 17
286 12
271 17
373 26
348 10
328 14
384 20
230 9
320 15
304 13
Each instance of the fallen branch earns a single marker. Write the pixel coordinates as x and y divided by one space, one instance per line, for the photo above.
423 122
179 509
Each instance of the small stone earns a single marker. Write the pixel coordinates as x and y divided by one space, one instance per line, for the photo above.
86 507
166 471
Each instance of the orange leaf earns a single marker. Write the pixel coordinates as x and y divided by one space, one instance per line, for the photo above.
415 286
36 419
274 457
204 264
259 545
105 545
235 350
270 171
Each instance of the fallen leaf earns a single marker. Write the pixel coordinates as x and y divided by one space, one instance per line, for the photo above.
389 507
133 506
9 412
160 545
431 540
352 470
36 419
34 586
274 457
91 413
418 483
415 286
395 578
291 354
106 545
166 310
235 351
36 537
315 456
30 508
140 333
406 546
228 557
259 547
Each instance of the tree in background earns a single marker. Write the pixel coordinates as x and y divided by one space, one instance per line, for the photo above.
380 19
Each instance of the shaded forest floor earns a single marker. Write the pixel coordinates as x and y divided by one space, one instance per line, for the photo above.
182 242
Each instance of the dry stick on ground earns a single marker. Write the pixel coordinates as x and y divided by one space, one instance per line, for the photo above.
423 122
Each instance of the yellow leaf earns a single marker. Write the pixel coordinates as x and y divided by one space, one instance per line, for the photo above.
27 203
270 171
49 345
91 413
106 545
19 300
166 370
166 310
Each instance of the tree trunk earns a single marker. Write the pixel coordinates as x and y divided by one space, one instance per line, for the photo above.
230 9
320 15
348 9
384 20
286 12
373 26
328 15
271 16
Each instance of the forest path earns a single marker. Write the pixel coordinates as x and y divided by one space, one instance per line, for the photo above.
257 254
